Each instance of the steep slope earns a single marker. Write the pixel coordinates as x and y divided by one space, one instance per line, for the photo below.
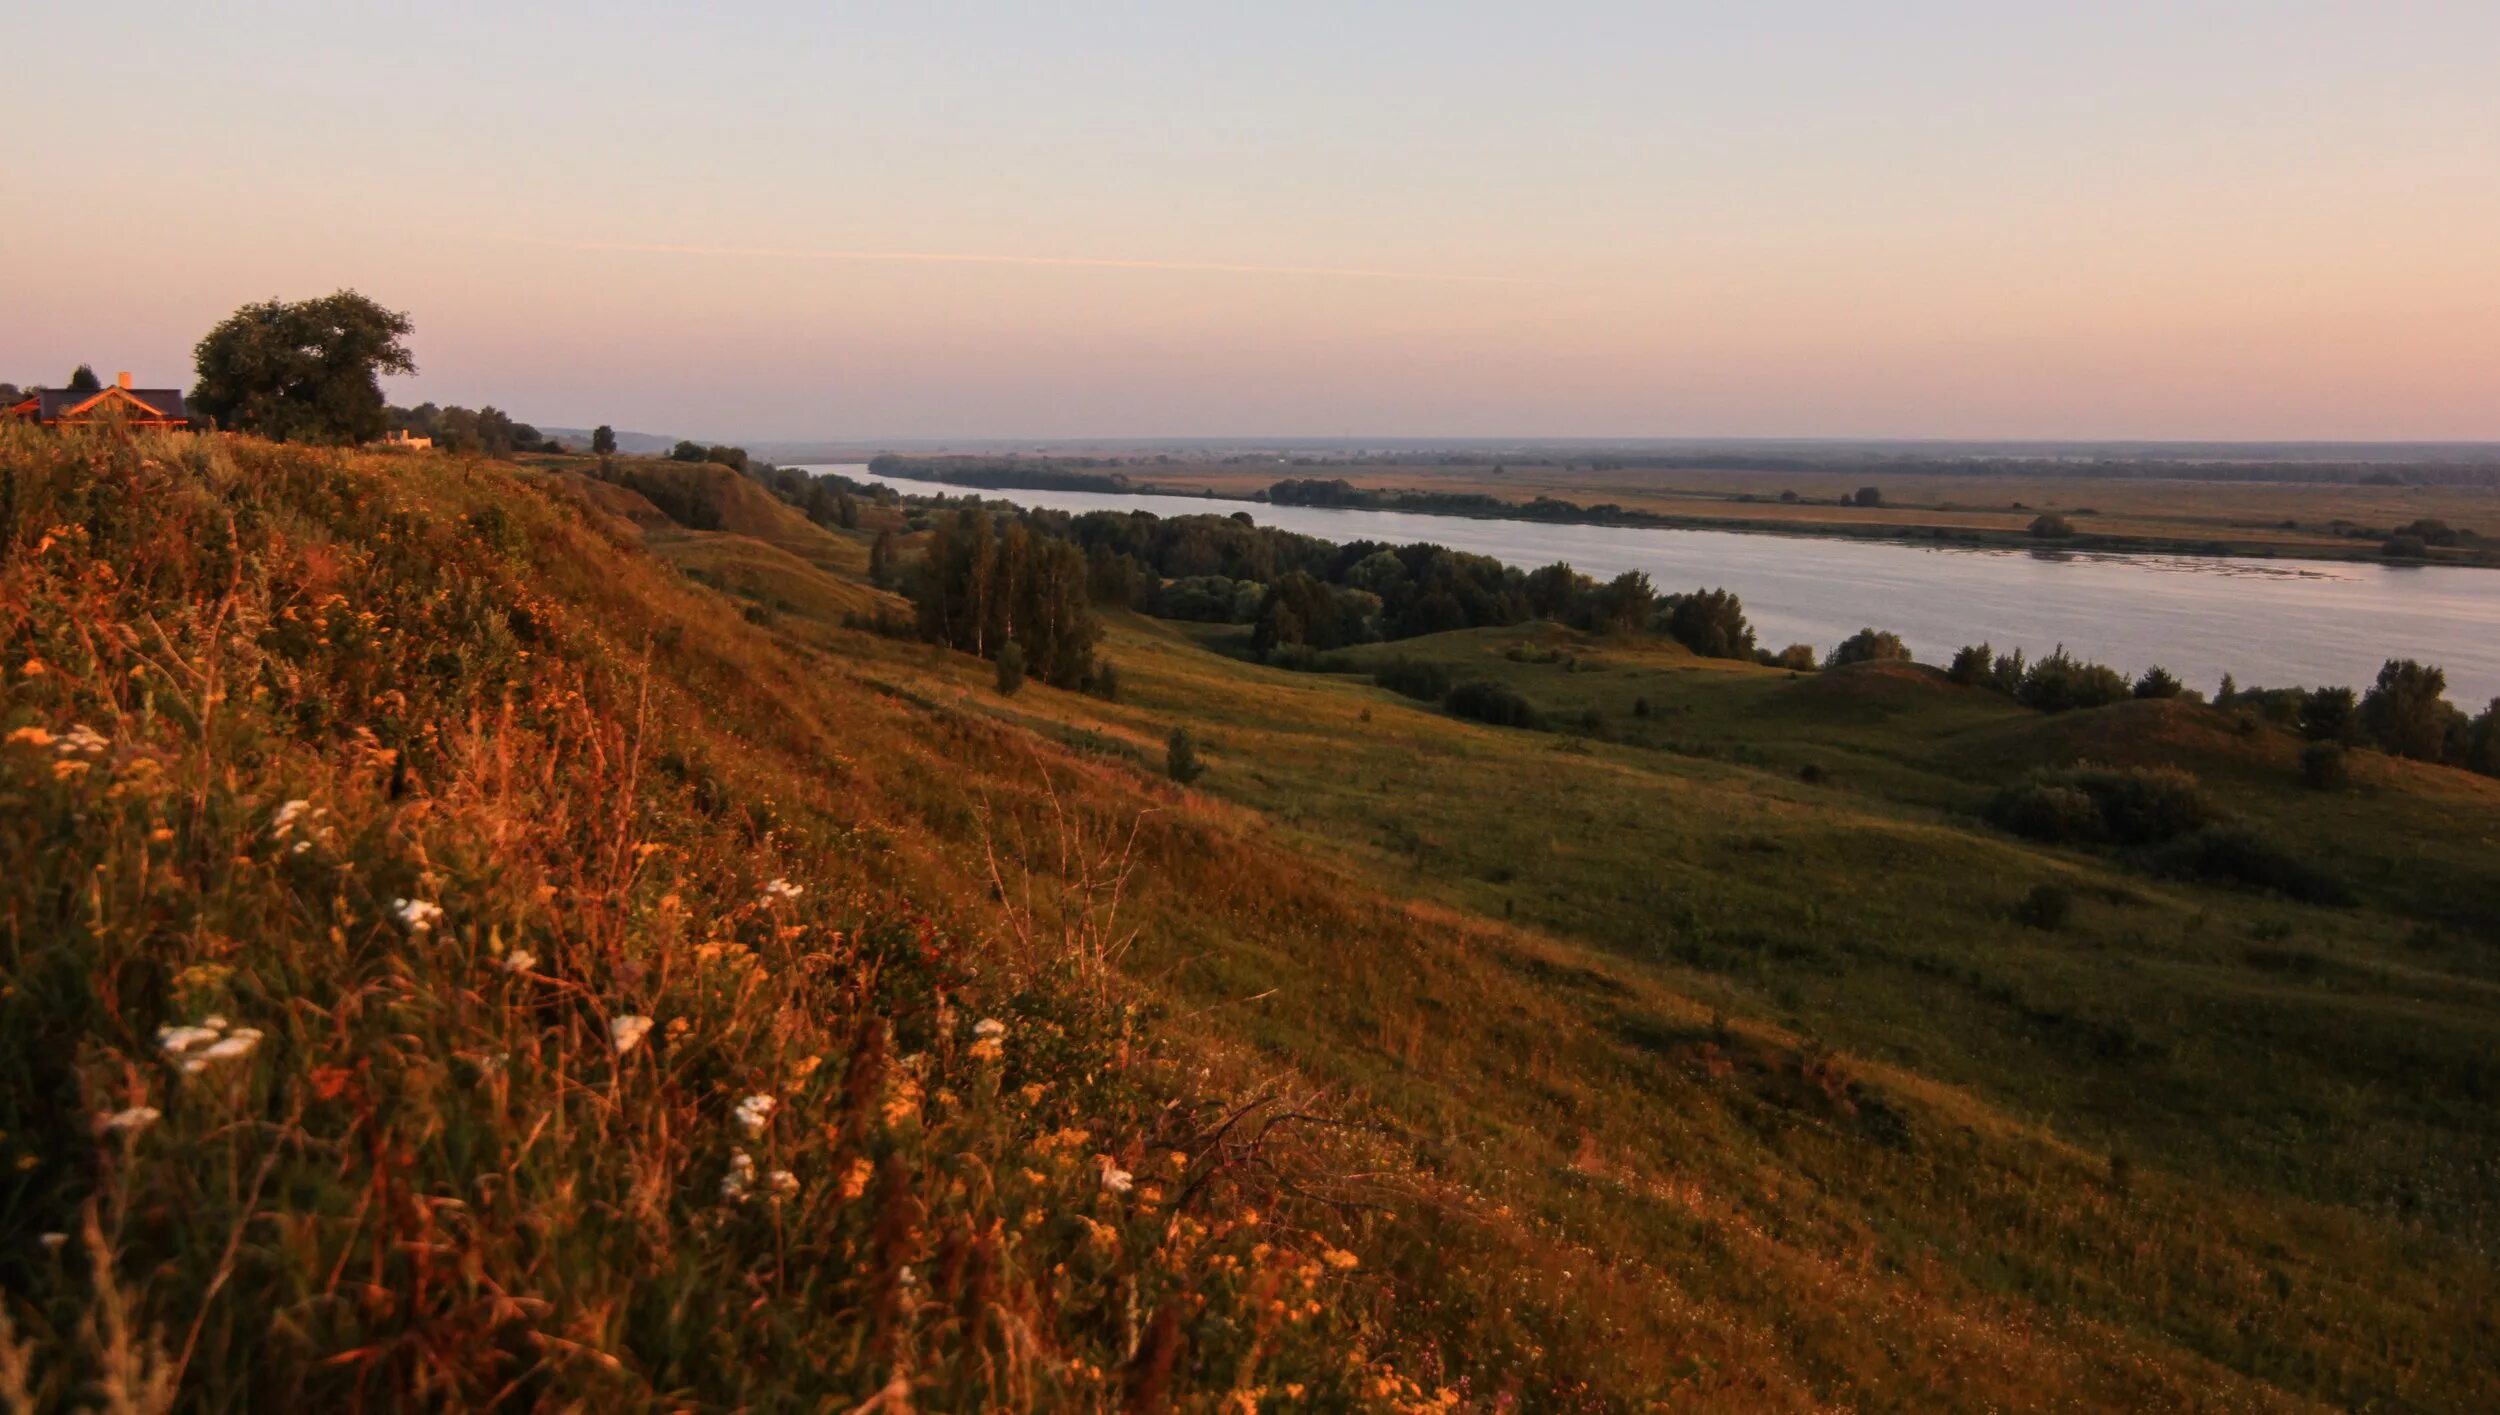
1277 1118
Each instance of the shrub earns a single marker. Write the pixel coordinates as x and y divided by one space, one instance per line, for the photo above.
2045 907
1710 623
2048 811
2331 715
2405 548
2323 766
2232 854
1413 678
1796 658
2406 712
2128 805
1971 665
1180 757
2052 526
1869 646
2157 682
2061 681
1493 703
1010 669
1640 707
1867 496
1105 682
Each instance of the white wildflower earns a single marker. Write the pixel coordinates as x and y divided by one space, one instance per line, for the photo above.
52 1241
300 847
628 1031
782 1182
177 1041
519 960
754 1113
1114 1178
82 739
989 1027
416 915
138 1117
740 1178
782 889
286 818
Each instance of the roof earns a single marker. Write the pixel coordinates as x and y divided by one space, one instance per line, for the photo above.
52 403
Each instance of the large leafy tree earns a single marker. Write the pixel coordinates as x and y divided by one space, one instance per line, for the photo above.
306 371
83 380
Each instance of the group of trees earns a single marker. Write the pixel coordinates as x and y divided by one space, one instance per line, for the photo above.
1004 593
485 432
2405 713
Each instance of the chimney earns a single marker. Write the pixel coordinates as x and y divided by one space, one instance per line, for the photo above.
125 378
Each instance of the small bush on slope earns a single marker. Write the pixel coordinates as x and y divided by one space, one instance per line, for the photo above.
533 1058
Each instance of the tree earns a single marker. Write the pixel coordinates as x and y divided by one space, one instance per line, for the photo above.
2331 715
2406 712
1869 646
2051 526
1180 757
603 440
309 371
1867 496
2157 682
2482 742
1010 669
83 380
881 560
1710 623
686 452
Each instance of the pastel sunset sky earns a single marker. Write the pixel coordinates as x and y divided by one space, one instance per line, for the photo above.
783 220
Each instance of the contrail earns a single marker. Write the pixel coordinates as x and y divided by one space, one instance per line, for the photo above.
1338 272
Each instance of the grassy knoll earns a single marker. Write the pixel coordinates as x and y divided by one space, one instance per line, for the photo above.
2313 520
1443 1065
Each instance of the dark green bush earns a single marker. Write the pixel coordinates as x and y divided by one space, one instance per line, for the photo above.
2061 681
2125 805
1424 682
2233 854
2324 766
1493 703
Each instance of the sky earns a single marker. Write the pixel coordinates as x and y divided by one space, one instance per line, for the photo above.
784 220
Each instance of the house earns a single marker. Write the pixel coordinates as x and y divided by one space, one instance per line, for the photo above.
400 439
138 407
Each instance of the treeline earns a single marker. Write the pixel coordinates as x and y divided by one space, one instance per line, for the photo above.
485 432
2406 713
1007 473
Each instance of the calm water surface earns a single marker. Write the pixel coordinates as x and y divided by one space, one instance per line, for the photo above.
2275 623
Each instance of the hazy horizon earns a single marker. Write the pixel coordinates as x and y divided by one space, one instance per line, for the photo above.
1614 222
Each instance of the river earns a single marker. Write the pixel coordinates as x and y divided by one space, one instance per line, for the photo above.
2271 623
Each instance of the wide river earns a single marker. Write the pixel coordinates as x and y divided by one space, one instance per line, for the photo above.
2272 623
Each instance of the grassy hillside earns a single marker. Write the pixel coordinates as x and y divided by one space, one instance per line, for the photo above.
1407 1063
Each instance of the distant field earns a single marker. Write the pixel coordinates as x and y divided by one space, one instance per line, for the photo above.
2330 520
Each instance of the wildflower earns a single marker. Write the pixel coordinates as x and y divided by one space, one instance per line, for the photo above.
82 740
628 1031
989 1029
855 1179
988 1049
782 1182
52 1241
1114 1178
1340 1259
300 847
30 736
286 818
754 1113
519 960
782 889
138 1117
176 1041
417 915
740 1178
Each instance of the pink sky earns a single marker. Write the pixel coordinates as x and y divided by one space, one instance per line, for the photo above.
2160 221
